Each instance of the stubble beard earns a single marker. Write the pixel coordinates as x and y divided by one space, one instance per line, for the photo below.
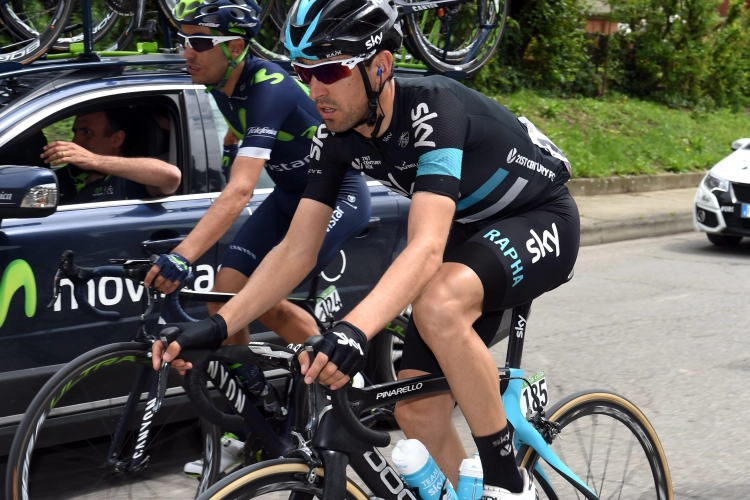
349 119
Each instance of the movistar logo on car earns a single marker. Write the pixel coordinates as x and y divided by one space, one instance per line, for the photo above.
17 275
514 157
400 390
261 131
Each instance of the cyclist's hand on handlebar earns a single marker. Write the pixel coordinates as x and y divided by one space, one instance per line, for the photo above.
339 357
168 272
207 333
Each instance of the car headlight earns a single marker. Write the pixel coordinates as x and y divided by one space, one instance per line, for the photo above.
714 182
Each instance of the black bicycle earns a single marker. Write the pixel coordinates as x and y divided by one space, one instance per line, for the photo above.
141 415
593 444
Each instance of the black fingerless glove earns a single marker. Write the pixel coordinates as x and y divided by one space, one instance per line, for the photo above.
207 333
227 158
344 345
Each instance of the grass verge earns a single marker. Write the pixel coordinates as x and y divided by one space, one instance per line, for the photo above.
623 136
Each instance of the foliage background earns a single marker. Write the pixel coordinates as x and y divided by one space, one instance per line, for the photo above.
677 52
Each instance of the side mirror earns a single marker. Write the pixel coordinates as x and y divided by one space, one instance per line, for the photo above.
27 192
740 143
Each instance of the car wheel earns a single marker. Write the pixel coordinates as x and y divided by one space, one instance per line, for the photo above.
724 240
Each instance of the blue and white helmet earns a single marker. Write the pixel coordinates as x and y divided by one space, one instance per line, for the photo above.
318 29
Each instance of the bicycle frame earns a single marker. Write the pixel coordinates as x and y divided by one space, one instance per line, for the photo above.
374 469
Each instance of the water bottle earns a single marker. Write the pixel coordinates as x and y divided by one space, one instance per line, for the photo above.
470 479
419 470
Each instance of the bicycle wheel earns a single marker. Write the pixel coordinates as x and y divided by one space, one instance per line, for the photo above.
276 480
63 447
460 37
266 43
608 443
44 22
384 355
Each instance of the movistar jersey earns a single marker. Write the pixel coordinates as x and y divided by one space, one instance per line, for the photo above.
447 139
75 187
273 116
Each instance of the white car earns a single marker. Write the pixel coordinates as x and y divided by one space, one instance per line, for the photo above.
722 203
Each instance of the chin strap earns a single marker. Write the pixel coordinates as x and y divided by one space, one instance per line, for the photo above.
232 64
373 102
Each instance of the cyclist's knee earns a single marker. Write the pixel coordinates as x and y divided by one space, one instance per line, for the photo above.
441 313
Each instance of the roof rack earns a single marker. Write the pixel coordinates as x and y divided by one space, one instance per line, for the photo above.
11 69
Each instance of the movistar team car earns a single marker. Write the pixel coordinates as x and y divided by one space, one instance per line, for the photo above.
180 124
722 203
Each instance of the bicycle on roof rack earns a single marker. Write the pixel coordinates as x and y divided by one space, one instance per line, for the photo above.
451 37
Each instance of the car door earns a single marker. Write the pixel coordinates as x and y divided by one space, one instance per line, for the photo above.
38 334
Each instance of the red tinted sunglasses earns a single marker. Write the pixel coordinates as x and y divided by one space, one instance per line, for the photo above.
326 72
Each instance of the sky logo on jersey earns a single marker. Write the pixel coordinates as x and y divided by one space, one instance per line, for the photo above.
510 252
317 143
419 116
17 275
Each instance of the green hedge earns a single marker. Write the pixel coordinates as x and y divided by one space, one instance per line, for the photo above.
677 52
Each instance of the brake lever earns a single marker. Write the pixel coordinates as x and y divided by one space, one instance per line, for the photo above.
161 387
55 288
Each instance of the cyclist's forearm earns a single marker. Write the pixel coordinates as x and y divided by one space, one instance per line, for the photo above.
215 223
274 279
399 286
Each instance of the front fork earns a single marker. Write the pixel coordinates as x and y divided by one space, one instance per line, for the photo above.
120 450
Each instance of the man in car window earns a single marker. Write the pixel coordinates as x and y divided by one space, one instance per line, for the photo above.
97 167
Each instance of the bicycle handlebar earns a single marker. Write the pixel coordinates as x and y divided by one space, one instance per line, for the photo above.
343 410
256 353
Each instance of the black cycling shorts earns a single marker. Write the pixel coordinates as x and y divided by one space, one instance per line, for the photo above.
268 225
517 259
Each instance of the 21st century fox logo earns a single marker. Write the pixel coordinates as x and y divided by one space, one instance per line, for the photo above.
514 157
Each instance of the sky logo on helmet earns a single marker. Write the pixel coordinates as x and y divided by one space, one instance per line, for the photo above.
374 41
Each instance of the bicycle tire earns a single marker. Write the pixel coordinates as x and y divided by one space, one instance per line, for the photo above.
167 7
125 39
49 23
385 351
103 20
91 391
264 480
613 409
462 50
266 43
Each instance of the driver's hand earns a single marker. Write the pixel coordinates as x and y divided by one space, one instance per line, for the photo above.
340 356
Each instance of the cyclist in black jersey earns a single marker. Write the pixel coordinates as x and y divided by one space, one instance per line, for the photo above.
272 121
491 226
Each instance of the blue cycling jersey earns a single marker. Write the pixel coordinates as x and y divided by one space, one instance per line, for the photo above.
272 115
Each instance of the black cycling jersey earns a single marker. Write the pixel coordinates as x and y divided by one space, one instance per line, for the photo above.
274 118
447 139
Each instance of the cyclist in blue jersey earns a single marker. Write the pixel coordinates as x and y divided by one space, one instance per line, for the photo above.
273 122
491 226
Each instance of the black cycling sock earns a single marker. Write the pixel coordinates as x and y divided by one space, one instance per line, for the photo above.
499 461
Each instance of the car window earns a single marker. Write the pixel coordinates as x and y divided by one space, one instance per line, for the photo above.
150 133
221 128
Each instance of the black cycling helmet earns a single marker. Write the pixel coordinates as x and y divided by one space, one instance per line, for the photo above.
318 29
229 16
